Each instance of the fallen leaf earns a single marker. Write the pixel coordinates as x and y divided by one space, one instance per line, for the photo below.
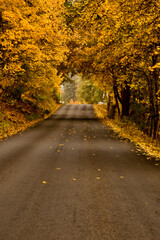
44 182
98 178
58 169
157 164
74 179
58 150
99 169
122 177
61 144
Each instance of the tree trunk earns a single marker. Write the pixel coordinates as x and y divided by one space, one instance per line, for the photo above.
125 100
116 95
156 88
116 99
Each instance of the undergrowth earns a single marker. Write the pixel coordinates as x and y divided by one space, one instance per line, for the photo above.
14 120
127 129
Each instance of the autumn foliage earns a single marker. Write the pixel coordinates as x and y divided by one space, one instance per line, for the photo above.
32 46
114 44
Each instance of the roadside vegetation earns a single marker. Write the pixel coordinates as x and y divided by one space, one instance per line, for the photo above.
32 47
127 129
115 44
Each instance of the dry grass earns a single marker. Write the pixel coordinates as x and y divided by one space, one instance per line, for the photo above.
129 130
13 121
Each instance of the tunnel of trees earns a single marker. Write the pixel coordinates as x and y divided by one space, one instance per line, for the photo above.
113 45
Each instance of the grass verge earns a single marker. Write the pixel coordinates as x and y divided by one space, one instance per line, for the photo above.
13 120
128 130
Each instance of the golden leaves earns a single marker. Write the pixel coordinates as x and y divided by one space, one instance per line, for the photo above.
61 144
74 179
27 41
122 177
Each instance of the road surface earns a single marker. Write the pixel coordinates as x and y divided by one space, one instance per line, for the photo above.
71 178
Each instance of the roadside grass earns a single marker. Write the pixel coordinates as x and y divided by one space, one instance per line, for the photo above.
13 120
128 130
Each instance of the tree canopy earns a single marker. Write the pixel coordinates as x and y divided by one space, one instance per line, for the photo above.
114 44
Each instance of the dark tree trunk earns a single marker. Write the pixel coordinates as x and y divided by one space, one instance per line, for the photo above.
116 99
116 95
153 99
125 100
156 88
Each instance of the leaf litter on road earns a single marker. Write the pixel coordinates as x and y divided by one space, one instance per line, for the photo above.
44 182
122 177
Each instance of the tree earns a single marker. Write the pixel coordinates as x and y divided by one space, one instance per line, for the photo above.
117 42
32 46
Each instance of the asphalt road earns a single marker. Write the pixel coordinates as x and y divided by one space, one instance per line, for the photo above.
71 178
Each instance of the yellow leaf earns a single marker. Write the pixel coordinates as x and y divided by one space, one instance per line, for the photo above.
122 177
